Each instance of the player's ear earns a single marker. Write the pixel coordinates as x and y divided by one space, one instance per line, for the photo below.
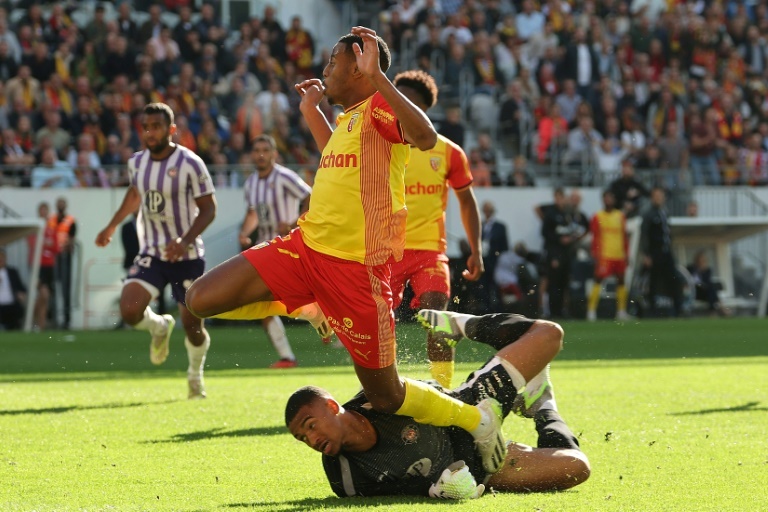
333 405
172 129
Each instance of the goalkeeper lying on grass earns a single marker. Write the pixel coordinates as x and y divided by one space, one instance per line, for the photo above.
367 453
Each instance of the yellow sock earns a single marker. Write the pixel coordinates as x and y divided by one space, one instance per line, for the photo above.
256 311
594 297
427 405
621 297
442 372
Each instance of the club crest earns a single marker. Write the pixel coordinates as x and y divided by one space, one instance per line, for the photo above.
410 434
173 172
352 121
435 163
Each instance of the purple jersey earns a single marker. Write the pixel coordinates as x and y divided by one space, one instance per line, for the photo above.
168 189
276 198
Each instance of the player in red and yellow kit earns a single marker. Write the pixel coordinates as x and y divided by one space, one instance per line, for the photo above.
609 250
424 265
340 254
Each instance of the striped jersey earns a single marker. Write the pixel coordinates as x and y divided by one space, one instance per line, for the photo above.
357 210
427 178
168 189
275 199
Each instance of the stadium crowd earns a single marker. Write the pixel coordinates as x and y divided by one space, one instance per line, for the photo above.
670 85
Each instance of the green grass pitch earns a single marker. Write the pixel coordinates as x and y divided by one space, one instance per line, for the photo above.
672 414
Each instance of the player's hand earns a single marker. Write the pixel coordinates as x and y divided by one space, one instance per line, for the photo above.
311 92
456 483
475 268
175 250
245 241
105 236
367 57
283 228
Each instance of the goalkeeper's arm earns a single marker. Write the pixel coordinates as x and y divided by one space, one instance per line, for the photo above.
456 483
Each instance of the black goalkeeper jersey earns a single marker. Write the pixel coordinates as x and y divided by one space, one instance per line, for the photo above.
407 458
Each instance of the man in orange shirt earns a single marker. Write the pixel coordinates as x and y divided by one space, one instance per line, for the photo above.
424 264
340 254
609 249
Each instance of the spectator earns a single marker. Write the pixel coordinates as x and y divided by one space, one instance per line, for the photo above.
96 29
8 65
452 127
40 63
752 162
456 31
152 27
674 157
661 112
628 191
113 154
25 88
85 144
87 176
703 146
60 138
520 176
580 64
66 229
481 174
529 21
166 49
119 58
495 242
610 152
568 101
52 172
13 295
581 141
553 132
272 103
514 114
58 96
125 24
632 137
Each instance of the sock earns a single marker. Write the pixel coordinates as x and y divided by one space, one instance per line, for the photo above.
151 322
498 329
500 380
621 298
428 405
594 297
256 311
196 356
553 432
442 372
276 332
545 304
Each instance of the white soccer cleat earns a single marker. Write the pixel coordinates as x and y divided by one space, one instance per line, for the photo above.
623 316
441 324
160 345
196 388
488 437
537 392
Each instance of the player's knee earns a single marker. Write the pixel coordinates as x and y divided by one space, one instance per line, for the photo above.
195 300
551 333
579 469
131 312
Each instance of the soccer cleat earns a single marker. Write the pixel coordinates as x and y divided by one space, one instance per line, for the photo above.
536 393
284 363
196 388
160 345
441 324
623 316
488 437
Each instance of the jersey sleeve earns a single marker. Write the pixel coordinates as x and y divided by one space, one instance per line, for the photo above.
458 175
384 120
132 169
199 179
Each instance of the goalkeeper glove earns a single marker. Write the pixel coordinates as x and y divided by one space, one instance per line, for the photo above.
456 483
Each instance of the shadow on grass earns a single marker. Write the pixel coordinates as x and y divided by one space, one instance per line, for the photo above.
747 407
68 408
215 433
330 503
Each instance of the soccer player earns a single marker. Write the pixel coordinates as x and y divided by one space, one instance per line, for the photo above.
368 453
275 196
340 254
424 264
174 191
609 250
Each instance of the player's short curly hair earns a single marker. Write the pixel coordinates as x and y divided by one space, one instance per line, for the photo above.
300 398
421 82
385 58
160 108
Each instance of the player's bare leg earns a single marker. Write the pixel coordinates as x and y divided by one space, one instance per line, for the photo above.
226 287
197 342
135 311
440 354
594 299
529 469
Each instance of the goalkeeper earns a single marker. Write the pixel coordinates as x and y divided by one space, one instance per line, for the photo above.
368 453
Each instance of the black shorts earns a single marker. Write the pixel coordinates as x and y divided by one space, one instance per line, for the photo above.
45 277
153 274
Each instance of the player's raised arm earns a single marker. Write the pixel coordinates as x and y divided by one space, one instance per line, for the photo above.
415 123
130 204
311 92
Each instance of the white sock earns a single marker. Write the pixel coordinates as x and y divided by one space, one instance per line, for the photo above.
461 320
196 356
545 304
276 332
151 322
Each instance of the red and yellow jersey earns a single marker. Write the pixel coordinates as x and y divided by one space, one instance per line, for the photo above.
357 208
427 178
609 235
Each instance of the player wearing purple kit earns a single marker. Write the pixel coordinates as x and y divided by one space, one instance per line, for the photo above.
173 191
